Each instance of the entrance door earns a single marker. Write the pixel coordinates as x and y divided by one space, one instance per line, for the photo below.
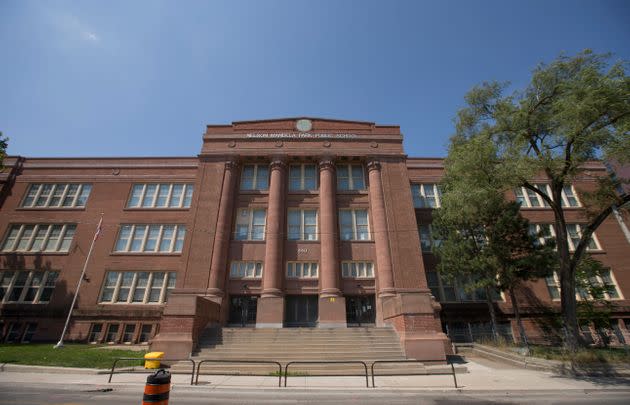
243 310
360 310
301 310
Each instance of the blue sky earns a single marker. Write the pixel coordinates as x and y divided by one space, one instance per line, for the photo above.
143 78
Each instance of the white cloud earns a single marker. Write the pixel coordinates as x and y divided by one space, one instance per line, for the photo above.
71 26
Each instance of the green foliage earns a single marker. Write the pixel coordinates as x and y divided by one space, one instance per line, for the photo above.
593 307
71 355
4 144
485 239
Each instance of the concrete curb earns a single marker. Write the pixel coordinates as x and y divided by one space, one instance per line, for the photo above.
554 366
22 368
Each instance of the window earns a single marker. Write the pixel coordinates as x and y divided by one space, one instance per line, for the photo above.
353 224
95 333
28 287
350 177
604 280
545 232
446 290
426 195
164 195
250 224
427 241
145 333
137 287
255 177
156 238
246 269
29 332
39 238
357 269
531 199
302 224
61 195
302 269
302 177
128 333
14 333
112 333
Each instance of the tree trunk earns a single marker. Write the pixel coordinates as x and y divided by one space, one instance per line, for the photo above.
519 321
567 281
493 315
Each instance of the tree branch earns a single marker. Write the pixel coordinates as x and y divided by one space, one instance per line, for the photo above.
587 232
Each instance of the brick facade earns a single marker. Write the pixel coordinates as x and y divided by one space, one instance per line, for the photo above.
205 293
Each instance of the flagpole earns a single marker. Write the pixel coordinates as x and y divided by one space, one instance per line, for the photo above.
76 292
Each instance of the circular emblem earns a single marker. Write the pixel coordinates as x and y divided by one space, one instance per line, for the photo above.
304 125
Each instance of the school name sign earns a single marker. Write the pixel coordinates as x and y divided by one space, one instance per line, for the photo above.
299 135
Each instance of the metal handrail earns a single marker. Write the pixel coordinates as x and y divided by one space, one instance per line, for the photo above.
286 368
192 375
412 361
241 361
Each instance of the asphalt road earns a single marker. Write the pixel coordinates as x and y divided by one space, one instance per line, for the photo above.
67 395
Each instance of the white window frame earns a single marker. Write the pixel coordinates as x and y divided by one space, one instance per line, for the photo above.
355 232
553 281
176 238
37 189
165 288
305 271
460 295
572 246
527 196
420 196
27 285
185 198
351 185
239 270
368 268
240 220
302 235
254 187
302 178
65 228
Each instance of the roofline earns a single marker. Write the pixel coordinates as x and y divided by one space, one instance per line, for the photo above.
299 118
99 158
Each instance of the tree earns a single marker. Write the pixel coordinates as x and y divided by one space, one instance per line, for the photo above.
486 243
4 143
574 110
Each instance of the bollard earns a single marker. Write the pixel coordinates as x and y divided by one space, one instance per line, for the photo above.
157 389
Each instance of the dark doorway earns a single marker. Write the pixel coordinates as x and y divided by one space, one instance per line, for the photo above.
243 310
301 310
360 310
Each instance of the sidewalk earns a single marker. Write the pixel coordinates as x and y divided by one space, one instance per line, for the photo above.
482 376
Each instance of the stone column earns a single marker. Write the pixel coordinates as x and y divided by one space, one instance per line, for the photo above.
218 265
379 230
270 312
332 307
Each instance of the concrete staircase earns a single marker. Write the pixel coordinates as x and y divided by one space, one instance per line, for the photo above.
302 344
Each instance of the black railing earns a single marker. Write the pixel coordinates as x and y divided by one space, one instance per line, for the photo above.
241 361
286 368
192 373
412 361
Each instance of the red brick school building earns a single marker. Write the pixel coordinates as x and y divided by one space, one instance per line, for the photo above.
297 222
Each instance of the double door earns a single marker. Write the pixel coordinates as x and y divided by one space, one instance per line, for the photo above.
360 310
301 310
243 310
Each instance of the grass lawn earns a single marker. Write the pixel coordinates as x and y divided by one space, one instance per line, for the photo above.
584 355
71 355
